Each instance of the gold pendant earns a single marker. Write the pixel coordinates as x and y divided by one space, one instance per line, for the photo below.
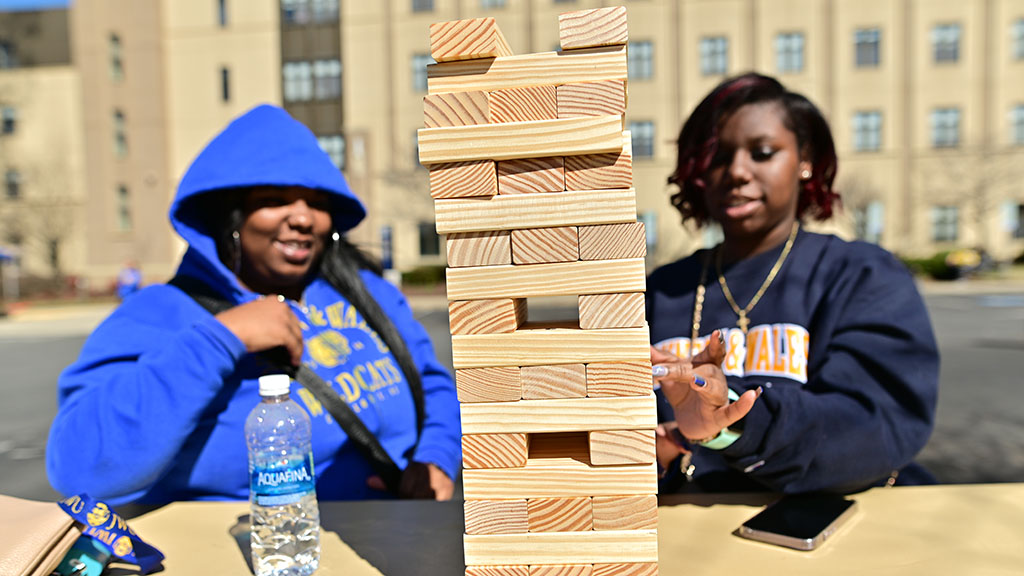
743 322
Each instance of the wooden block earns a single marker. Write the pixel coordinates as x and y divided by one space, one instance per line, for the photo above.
559 514
559 548
608 63
543 245
558 381
498 571
463 179
496 516
600 171
573 445
591 98
522 211
498 316
523 104
535 346
590 28
611 447
560 415
530 175
560 478
598 311
467 40
559 279
626 512
564 570
619 379
479 249
492 384
495 450
455 109
511 140
635 569
611 241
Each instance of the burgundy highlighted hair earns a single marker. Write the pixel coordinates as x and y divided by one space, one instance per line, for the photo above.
698 143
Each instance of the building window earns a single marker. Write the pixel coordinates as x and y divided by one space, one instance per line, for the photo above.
868 221
419 71
422 5
120 135
945 127
714 55
430 242
643 139
12 182
124 209
298 81
866 44
8 120
944 223
295 11
116 62
327 79
222 13
325 10
946 42
8 55
225 84
640 58
867 131
1018 39
334 146
1018 226
1016 124
485 4
789 52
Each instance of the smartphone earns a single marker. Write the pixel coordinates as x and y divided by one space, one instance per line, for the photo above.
801 522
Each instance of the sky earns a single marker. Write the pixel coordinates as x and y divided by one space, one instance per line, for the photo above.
16 5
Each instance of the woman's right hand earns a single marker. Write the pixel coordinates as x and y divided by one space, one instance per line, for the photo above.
264 324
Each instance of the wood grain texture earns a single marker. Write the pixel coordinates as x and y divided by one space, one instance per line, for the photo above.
590 28
531 175
564 570
600 171
591 98
455 109
611 241
559 415
607 63
599 311
613 447
561 548
559 514
479 249
496 516
517 212
606 379
560 478
491 384
635 569
531 346
494 450
626 512
557 381
522 104
560 279
463 179
498 316
498 571
511 140
467 40
543 245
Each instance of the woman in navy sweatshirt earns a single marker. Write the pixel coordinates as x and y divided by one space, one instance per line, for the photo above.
790 361
154 408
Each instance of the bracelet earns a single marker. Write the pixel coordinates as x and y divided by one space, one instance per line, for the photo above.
725 436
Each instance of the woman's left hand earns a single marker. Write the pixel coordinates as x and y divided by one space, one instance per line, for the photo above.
420 481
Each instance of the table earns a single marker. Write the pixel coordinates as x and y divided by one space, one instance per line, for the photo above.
955 529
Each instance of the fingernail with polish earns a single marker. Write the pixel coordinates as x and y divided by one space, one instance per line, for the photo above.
659 371
759 391
700 381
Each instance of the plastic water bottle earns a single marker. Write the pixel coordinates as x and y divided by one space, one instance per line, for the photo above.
285 536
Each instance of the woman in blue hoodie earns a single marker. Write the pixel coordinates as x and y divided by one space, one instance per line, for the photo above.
153 410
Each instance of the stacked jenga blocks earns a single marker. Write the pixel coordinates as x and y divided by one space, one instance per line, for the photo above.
531 173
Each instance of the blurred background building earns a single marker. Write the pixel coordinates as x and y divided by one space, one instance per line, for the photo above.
105 103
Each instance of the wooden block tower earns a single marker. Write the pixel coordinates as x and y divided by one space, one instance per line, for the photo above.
531 173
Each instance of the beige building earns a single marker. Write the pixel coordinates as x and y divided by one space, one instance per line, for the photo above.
925 97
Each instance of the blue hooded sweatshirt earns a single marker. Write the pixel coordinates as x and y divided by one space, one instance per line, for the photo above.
153 410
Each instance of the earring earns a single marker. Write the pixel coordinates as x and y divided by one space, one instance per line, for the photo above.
335 237
805 174
236 239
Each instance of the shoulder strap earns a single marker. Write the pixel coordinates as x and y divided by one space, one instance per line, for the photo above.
363 440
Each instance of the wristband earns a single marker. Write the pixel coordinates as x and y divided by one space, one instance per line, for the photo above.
725 436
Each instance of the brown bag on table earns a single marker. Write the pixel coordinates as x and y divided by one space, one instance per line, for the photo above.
34 536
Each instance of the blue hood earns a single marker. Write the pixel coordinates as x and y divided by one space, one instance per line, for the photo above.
263 147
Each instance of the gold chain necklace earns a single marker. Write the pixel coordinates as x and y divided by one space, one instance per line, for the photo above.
743 322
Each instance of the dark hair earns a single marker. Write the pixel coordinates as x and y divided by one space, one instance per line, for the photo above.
698 143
